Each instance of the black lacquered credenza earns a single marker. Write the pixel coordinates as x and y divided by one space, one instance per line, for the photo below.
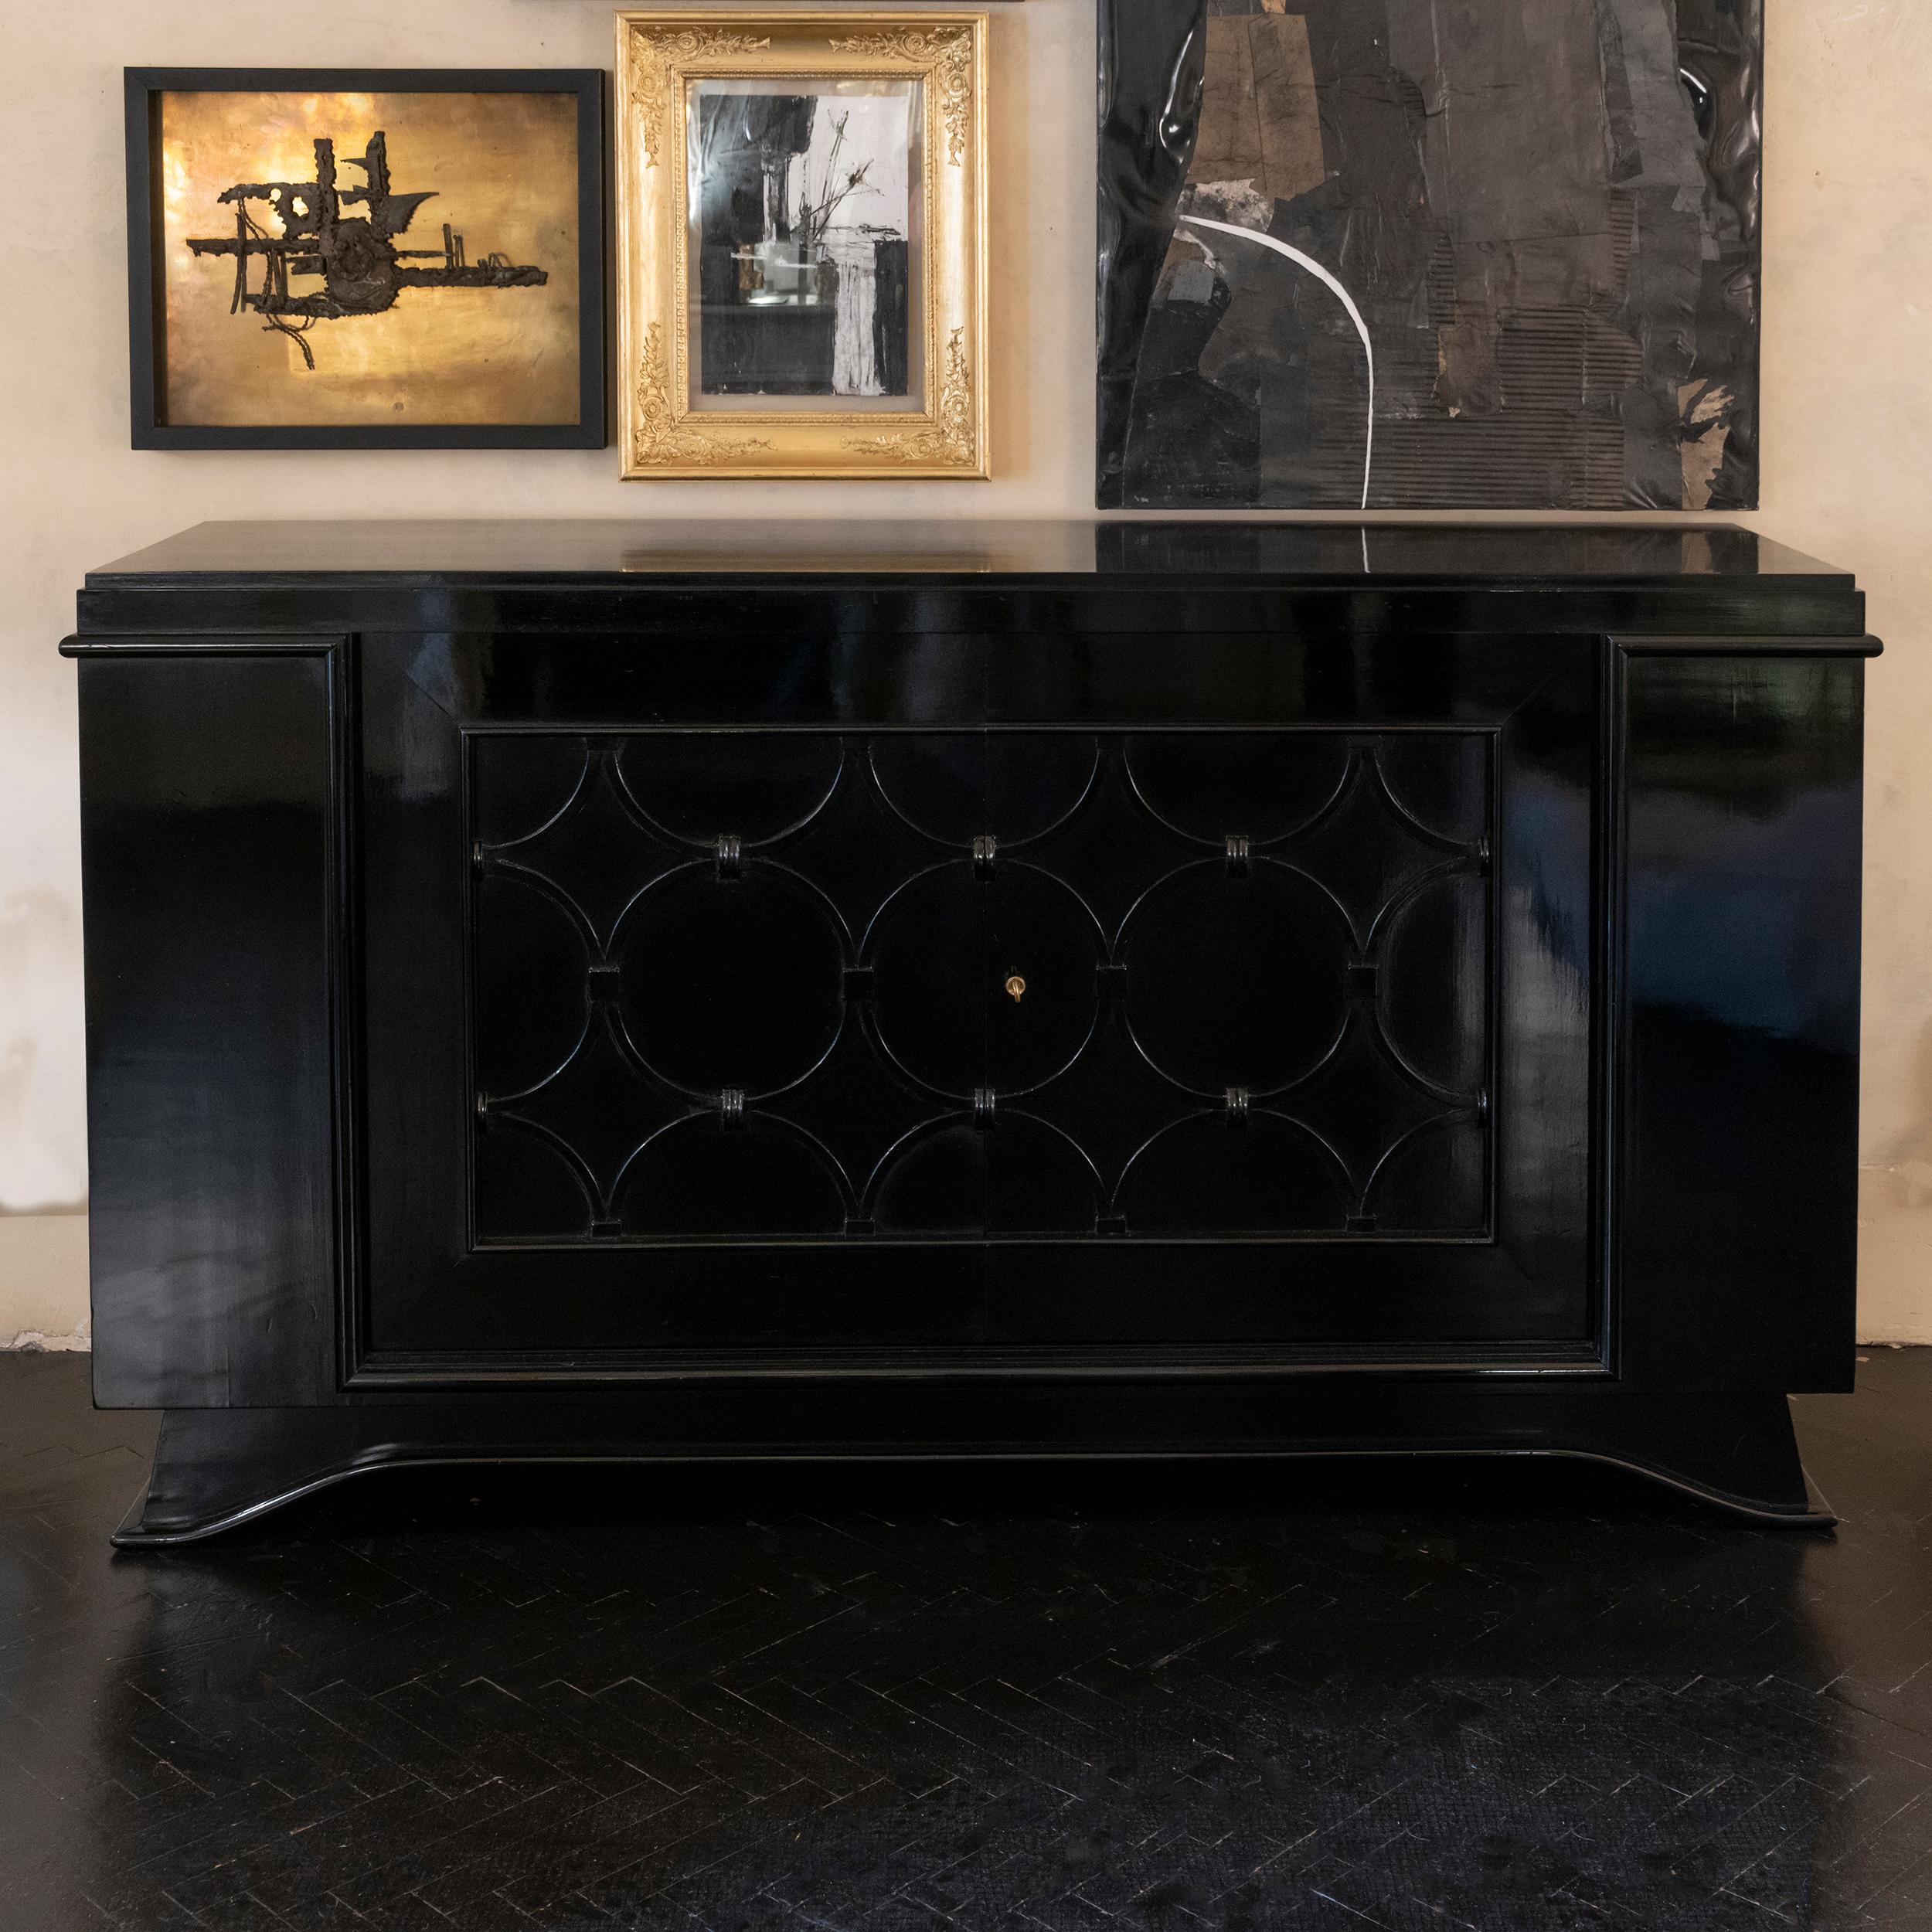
623 991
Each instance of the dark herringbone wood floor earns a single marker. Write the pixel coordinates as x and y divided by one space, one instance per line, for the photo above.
1519 1698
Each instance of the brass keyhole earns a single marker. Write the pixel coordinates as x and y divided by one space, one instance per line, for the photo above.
1017 988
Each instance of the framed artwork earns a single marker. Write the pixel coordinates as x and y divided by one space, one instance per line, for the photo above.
800 244
1391 254
364 258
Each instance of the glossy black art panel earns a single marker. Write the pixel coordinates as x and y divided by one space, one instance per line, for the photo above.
952 985
1396 254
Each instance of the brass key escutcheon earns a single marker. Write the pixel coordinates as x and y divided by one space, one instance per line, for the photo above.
1017 988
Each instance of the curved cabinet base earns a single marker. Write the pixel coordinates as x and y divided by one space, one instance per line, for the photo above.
216 1468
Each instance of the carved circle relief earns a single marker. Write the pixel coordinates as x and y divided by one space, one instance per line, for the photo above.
817 983
1205 787
934 1181
696 1176
521 790
680 787
730 982
955 787
942 950
1198 1176
531 1006
1024 1176
1437 782
1235 980
1425 1178
527 1184
1433 982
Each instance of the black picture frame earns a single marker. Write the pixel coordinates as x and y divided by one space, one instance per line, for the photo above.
146 267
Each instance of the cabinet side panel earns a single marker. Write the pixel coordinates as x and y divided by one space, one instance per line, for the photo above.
1738 1139
208 858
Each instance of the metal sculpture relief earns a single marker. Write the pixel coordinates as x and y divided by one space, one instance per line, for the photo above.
290 294
361 270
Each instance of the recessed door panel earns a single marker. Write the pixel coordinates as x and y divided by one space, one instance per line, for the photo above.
1169 1024
889 1038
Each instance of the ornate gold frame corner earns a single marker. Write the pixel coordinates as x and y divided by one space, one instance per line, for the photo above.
657 53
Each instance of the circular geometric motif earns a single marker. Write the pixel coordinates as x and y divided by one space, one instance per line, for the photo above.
522 783
956 787
679 780
1440 779
1434 992
1200 1177
695 1177
1248 784
935 1184
731 982
531 1007
943 949
1235 981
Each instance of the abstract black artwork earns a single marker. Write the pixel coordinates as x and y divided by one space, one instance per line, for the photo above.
1389 253
361 269
801 204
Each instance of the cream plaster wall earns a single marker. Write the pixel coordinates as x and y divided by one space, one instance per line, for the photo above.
1847 433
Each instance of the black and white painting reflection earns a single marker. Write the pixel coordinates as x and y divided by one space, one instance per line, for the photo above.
804 212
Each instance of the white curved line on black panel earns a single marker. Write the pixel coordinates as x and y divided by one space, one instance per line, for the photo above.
1322 275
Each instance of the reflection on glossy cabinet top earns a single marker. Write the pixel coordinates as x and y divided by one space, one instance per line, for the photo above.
1337 554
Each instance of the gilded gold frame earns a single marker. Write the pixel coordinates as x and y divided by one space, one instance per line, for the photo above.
658 54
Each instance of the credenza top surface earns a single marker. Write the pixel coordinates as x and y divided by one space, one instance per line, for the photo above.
1571 556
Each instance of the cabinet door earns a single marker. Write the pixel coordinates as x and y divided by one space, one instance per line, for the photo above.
980 1041
210 847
